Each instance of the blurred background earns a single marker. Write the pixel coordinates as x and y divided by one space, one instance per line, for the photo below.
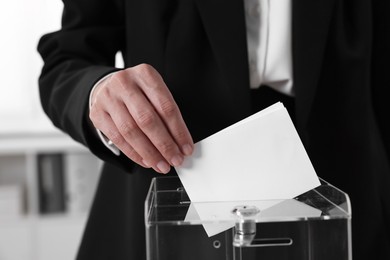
47 181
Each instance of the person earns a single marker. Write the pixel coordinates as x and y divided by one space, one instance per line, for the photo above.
188 74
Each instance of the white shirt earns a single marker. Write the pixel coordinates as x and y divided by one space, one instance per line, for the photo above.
268 26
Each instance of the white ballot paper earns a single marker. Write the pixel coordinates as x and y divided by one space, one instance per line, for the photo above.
259 160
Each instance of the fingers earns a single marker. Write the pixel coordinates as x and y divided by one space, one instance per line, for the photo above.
136 111
110 131
154 126
158 94
130 131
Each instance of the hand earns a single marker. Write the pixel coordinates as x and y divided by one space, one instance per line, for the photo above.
136 111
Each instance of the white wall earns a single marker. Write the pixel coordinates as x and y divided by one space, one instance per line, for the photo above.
22 23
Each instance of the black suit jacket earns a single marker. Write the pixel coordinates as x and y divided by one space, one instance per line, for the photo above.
340 53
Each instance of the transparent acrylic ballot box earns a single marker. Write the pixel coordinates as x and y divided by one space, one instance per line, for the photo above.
313 226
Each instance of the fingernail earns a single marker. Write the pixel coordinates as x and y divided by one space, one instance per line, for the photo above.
187 149
163 167
177 160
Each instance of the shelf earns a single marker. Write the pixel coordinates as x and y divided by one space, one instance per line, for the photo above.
27 233
25 143
59 219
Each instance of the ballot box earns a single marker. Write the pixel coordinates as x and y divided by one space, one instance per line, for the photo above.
315 225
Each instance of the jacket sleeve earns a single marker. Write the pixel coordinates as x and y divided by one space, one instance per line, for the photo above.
75 58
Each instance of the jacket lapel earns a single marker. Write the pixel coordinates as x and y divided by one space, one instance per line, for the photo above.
224 23
309 29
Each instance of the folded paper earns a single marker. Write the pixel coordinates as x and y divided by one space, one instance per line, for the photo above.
257 159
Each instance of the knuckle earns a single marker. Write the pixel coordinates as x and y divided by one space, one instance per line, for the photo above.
102 96
129 93
93 114
96 118
118 76
126 128
146 119
166 147
104 91
181 135
145 69
148 75
120 81
168 108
